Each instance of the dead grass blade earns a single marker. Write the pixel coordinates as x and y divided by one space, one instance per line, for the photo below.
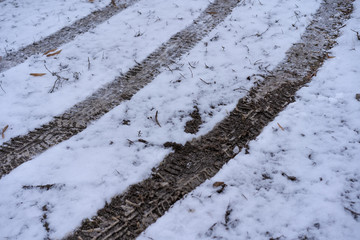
280 127
3 131
47 52
53 54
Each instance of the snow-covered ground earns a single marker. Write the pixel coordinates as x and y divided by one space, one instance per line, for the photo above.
99 162
27 21
320 146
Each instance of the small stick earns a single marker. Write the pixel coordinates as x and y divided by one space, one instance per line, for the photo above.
169 68
182 76
190 65
88 63
352 212
357 34
156 119
192 75
205 81
2 88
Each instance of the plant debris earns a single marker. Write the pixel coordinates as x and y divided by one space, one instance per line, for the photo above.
37 74
3 131
53 54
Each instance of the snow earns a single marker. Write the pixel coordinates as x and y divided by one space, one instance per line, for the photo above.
319 146
27 21
98 163
110 55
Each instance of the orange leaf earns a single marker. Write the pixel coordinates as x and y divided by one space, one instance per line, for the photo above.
55 53
3 131
328 56
218 184
280 127
212 13
37 74
47 52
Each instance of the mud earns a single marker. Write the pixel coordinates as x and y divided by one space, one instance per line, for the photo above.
192 126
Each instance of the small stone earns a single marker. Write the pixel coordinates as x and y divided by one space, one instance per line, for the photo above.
357 96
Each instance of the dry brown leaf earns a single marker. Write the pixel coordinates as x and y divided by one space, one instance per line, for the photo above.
47 52
212 13
218 184
328 56
91 1
37 74
55 53
280 127
3 131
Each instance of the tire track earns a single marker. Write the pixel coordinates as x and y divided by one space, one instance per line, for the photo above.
128 214
64 35
23 148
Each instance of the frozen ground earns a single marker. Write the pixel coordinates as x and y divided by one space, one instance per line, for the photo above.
90 168
319 147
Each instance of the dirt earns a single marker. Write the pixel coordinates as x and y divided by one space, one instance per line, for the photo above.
192 126
130 213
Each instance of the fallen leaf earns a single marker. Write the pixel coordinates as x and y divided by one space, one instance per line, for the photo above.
55 53
280 127
52 50
218 184
91 1
212 13
3 131
37 74
328 56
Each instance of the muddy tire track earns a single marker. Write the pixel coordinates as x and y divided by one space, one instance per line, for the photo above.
23 148
130 213
64 35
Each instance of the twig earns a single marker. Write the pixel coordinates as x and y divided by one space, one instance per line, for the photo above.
169 68
58 81
156 119
241 88
2 88
357 34
88 63
191 65
192 75
205 82
355 214
260 34
182 75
